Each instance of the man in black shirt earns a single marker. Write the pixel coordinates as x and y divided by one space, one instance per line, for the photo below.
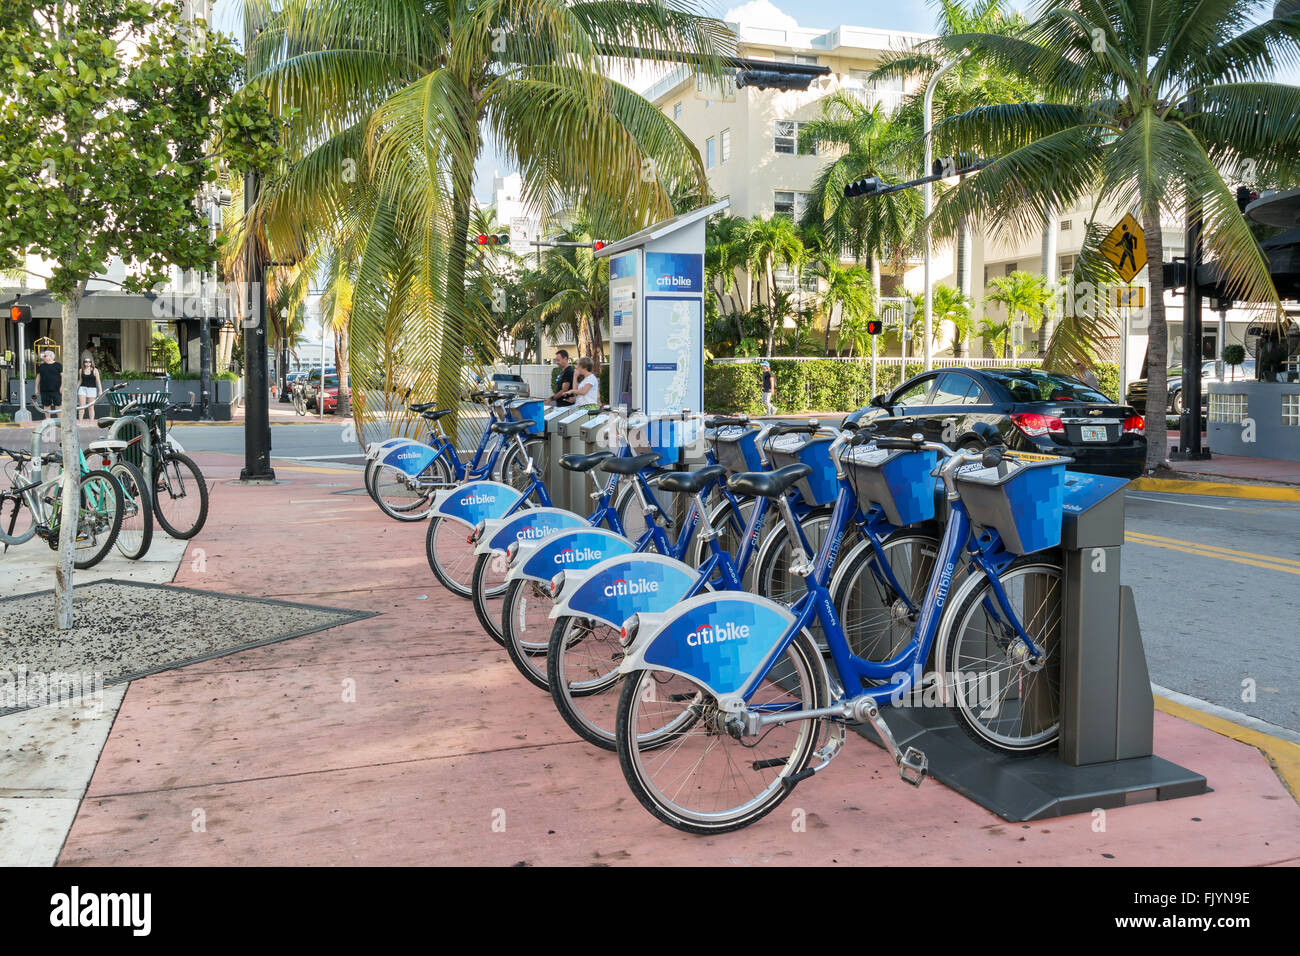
565 381
49 380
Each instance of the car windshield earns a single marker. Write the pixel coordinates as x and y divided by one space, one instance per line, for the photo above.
1027 387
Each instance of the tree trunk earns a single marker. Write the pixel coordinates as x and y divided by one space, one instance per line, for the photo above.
826 345
1157 345
344 407
1049 264
451 357
71 463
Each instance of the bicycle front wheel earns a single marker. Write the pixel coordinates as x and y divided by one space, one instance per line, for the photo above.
512 467
1002 699
488 589
408 499
180 496
878 620
99 518
689 763
17 524
136 534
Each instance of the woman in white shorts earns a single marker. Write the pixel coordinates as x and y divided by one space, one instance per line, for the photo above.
88 388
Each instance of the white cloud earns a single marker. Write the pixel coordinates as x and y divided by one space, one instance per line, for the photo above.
760 13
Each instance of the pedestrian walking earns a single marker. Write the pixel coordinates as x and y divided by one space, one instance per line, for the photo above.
49 377
769 387
89 388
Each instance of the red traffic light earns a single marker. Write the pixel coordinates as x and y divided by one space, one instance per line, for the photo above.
598 244
20 313
482 239
875 326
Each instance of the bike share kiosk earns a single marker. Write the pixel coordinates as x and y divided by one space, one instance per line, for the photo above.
566 439
554 446
1104 757
656 308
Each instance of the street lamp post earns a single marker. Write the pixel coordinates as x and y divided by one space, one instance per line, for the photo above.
928 106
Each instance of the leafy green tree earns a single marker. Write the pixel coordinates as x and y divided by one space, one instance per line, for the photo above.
769 244
849 292
1026 298
111 113
1156 106
572 293
951 306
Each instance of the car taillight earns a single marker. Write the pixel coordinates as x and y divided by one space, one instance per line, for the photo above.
1135 425
1035 424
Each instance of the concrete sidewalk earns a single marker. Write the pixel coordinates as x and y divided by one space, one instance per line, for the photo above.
409 738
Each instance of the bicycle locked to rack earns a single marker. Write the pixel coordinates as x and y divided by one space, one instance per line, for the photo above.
728 704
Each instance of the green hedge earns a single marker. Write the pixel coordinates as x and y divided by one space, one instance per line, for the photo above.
1108 379
732 388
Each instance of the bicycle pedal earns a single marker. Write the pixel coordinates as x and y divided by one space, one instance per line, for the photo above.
913 766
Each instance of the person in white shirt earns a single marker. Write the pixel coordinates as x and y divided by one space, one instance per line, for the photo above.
586 391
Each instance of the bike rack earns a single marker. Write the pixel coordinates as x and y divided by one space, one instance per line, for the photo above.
1104 758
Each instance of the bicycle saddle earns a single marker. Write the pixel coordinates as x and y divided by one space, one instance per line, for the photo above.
104 422
768 484
583 462
629 466
691 482
511 428
107 444
435 415
422 407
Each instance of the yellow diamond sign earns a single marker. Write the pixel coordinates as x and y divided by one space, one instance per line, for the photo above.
1126 247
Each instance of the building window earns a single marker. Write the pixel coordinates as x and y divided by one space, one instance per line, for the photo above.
709 153
1011 267
1228 408
1067 225
677 111
1290 409
797 58
726 146
1067 265
786 139
789 203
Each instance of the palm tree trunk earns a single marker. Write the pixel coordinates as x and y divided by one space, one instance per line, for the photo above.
1157 345
451 358
344 407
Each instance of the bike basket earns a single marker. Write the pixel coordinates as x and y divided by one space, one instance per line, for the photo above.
664 436
1021 499
896 479
532 410
819 488
736 448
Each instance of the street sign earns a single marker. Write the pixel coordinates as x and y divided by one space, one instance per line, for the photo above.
1126 247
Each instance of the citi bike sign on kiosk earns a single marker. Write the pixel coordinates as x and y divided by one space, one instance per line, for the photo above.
656 306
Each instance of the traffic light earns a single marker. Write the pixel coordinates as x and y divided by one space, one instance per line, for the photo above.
863 187
20 313
492 239
772 80
598 245
1245 197
1175 275
875 326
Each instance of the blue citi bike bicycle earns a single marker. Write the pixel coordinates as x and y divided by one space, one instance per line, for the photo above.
729 702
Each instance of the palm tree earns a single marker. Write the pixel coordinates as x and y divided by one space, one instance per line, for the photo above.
872 146
951 306
1025 296
998 335
336 314
1151 106
770 243
572 291
389 104
849 291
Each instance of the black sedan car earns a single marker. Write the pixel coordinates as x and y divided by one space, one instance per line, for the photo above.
1023 409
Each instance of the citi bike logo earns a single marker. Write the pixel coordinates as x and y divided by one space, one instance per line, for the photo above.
533 533
574 555
623 587
477 499
945 580
408 454
717 634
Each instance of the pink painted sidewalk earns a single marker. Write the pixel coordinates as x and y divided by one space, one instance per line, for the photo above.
448 756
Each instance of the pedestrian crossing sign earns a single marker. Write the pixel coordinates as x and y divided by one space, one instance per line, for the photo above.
1126 247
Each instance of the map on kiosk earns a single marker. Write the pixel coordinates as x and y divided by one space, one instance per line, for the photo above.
675 332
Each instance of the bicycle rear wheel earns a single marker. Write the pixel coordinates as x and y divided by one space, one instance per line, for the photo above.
99 518
451 557
582 672
687 761
136 533
180 495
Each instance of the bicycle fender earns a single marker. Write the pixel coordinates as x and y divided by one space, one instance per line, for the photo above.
531 524
377 449
719 640
617 588
474 502
572 550
412 457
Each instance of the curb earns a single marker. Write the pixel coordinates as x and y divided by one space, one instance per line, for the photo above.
1217 489
1282 755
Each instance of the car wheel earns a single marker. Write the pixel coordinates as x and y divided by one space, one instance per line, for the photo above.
1176 403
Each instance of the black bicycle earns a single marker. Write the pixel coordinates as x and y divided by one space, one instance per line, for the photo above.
180 492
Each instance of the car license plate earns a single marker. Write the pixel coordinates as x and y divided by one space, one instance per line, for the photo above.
1093 432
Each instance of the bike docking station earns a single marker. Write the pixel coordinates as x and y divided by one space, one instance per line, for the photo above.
1104 756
